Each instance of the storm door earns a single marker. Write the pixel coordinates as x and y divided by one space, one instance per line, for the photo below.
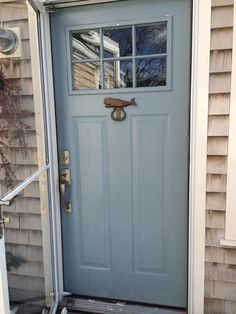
121 74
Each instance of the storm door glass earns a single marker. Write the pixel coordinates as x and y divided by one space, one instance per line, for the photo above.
23 156
27 248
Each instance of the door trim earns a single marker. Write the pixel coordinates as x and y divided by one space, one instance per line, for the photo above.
198 145
201 31
4 296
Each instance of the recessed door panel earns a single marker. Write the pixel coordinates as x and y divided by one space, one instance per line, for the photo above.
93 218
149 158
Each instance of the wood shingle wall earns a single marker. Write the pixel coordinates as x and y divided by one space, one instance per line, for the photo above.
220 266
24 234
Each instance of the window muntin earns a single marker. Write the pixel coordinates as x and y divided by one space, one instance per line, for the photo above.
121 57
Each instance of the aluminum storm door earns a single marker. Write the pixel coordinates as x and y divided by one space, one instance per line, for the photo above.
121 75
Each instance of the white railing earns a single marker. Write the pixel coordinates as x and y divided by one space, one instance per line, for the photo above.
9 197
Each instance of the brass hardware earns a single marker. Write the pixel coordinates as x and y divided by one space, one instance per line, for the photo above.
65 157
65 177
68 207
3 222
118 113
63 190
65 181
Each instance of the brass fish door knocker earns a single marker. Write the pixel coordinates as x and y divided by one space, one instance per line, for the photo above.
118 113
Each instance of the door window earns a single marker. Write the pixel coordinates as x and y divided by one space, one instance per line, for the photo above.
120 57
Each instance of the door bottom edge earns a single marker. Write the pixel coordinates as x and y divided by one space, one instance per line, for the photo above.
96 306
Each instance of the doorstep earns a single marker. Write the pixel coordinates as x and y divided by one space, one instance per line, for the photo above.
94 306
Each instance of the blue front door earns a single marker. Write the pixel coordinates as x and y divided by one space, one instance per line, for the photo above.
126 235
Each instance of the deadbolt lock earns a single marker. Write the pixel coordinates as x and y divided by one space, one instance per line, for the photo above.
68 207
65 177
65 157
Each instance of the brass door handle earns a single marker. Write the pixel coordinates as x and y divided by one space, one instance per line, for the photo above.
63 191
65 181
65 177
118 113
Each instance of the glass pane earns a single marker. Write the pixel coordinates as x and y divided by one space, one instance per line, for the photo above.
118 74
117 42
22 152
151 39
151 72
28 253
86 75
19 141
85 45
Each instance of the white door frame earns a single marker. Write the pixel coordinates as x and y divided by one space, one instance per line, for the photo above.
201 33
4 297
198 149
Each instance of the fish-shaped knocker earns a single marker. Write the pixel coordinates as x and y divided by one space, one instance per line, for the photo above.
118 113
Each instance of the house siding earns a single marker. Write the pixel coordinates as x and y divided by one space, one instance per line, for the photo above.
220 262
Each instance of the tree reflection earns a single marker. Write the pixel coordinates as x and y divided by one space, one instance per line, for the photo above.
151 72
122 37
151 39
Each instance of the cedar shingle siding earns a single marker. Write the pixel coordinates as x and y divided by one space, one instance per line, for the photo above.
220 266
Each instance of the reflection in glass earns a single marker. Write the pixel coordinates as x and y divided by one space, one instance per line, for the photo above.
28 253
117 42
151 72
86 45
118 74
86 75
151 39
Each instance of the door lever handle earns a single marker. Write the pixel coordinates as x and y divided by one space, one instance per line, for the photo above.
65 181
65 177
63 190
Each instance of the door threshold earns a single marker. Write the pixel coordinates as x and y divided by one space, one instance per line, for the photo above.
90 305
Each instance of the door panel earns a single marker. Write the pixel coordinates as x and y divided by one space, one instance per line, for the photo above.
149 189
126 237
92 160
